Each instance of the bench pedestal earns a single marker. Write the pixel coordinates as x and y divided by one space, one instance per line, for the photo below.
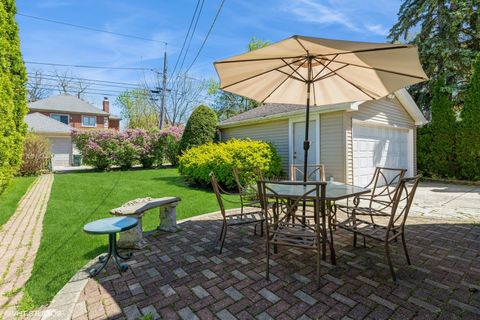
133 238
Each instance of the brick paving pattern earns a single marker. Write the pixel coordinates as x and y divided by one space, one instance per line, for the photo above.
19 241
182 276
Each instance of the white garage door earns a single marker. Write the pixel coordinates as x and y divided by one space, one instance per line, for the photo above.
378 146
61 151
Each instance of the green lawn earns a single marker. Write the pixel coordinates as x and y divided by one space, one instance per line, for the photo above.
78 198
11 196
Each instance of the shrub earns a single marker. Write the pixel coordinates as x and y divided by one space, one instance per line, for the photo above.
468 148
441 155
247 155
200 129
13 102
36 155
98 147
172 137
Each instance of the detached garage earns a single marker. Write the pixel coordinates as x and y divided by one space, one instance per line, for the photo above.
58 134
350 139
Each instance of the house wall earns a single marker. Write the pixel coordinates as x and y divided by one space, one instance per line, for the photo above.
275 132
76 120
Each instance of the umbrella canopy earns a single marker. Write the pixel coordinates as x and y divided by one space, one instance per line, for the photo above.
305 70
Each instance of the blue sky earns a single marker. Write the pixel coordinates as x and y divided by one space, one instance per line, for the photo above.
367 20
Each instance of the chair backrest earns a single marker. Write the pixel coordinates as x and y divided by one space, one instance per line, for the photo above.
218 193
402 202
287 202
384 184
243 178
315 172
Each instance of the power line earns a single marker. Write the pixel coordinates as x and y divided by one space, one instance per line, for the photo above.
191 35
207 35
89 28
55 77
87 66
186 37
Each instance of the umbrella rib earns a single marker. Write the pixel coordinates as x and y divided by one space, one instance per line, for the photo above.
281 83
348 81
364 50
328 75
324 66
301 45
258 59
295 71
258 75
377 69
290 75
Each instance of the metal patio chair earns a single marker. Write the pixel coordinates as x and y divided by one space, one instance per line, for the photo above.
248 194
234 219
316 169
282 231
393 225
384 184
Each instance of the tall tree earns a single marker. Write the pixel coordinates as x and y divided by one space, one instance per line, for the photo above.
185 93
468 153
36 87
443 132
13 98
447 34
228 104
137 109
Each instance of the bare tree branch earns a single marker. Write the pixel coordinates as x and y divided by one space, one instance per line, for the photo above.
36 87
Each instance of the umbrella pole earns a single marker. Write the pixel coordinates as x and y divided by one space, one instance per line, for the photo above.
306 143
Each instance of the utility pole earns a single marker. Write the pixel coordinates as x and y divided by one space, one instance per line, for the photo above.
164 90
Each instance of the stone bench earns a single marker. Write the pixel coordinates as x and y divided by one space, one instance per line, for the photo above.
133 238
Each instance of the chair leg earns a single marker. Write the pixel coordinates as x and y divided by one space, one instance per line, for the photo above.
267 273
261 228
364 242
221 232
389 260
224 235
405 249
333 258
354 239
319 257
255 229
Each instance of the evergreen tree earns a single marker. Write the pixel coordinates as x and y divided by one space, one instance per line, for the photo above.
200 129
447 34
443 132
468 152
13 100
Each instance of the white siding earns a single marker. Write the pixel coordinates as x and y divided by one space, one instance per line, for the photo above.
384 111
275 132
332 145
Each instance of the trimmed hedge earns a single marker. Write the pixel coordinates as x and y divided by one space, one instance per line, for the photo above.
200 129
13 99
247 155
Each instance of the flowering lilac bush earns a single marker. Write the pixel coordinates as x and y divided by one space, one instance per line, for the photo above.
104 148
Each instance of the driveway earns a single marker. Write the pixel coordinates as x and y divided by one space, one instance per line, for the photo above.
447 202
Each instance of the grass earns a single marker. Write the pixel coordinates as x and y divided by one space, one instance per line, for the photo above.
78 198
11 196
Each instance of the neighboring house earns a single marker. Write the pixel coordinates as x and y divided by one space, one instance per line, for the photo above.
55 117
350 139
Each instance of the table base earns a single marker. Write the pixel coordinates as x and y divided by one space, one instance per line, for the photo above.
112 253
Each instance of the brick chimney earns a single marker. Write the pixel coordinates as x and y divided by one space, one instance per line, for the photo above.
106 105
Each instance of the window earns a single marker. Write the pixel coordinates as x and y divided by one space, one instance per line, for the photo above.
89 121
63 118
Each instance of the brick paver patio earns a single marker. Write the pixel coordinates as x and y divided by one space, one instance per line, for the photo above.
182 276
19 241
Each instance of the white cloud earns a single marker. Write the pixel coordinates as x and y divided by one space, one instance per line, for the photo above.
316 12
377 29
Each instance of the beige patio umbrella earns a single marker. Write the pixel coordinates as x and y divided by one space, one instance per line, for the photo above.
305 70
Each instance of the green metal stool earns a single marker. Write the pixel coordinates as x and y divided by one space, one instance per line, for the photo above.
111 226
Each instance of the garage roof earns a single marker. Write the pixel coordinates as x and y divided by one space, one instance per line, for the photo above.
40 123
65 103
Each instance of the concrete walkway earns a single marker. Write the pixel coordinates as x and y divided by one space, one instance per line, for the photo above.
19 242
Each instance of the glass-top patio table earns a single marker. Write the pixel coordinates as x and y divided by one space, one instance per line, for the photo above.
334 191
